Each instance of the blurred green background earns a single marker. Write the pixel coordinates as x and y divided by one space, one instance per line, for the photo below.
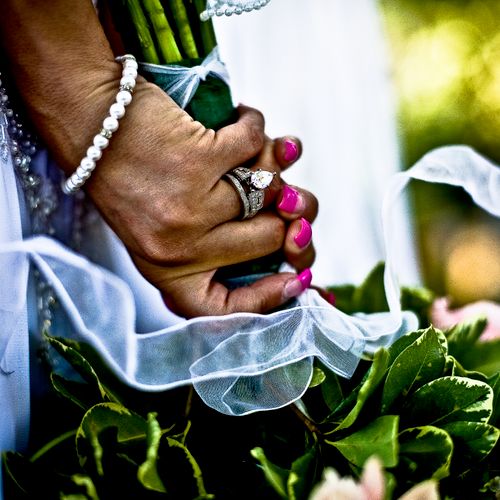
446 68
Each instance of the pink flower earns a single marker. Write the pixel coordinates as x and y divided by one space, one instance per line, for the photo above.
370 487
443 317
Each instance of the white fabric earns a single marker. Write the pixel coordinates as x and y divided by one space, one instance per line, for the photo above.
319 69
243 362
184 81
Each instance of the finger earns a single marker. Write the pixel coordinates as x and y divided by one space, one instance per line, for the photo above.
237 143
287 150
197 295
298 249
225 200
294 202
240 241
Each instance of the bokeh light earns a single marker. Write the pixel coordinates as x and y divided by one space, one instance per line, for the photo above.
446 69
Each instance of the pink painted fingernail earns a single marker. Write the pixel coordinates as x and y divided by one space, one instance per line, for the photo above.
304 236
331 298
291 151
297 285
291 202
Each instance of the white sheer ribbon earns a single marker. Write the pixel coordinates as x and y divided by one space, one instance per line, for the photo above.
243 363
184 81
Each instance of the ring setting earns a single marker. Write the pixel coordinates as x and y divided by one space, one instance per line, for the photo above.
250 186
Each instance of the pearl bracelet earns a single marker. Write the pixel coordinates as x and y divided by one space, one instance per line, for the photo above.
109 125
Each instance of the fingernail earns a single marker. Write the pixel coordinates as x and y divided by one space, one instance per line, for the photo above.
303 237
291 151
331 298
291 202
297 285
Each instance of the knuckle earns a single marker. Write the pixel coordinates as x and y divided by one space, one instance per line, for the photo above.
255 139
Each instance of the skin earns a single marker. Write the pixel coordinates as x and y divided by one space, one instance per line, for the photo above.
158 184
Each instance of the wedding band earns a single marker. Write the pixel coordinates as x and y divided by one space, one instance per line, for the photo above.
250 187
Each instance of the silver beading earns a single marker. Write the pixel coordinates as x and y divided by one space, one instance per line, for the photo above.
109 126
230 7
41 197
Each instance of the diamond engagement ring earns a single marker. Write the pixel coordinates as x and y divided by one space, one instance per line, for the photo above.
250 187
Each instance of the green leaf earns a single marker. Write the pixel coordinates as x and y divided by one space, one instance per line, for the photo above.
197 475
458 370
463 336
483 357
148 472
369 297
418 300
318 377
331 391
402 343
85 482
419 363
379 438
83 395
473 440
449 399
426 451
494 383
302 475
130 427
276 476
372 380
79 363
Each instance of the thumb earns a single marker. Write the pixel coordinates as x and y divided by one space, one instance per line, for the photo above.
197 295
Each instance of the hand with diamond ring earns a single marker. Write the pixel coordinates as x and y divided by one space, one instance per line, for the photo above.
160 183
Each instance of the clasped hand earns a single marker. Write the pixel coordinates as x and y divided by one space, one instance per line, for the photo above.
160 188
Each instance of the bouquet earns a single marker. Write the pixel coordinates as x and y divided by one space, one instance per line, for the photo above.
422 415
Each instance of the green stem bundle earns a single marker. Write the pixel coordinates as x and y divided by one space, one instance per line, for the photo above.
143 34
164 35
185 33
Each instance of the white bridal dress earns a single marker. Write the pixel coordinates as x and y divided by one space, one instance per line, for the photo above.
61 267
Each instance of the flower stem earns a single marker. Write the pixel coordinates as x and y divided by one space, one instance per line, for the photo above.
182 21
206 28
163 31
141 25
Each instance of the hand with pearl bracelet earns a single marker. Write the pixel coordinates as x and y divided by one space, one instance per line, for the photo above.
159 183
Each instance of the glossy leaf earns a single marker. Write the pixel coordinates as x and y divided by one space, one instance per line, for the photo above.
79 363
148 472
197 475
463 336
301 475
276 476
449 399
377 438
473 440
318 377
129 427
419 363
426 452
494 383
373 379
370 295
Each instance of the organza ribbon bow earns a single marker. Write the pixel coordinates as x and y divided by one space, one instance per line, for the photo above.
182 82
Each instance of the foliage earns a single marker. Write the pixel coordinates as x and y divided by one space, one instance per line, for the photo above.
421 406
